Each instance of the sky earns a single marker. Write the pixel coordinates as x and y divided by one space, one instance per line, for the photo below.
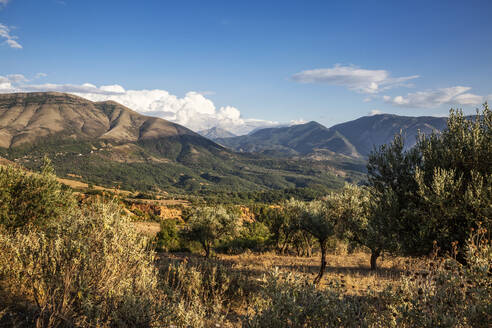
241 65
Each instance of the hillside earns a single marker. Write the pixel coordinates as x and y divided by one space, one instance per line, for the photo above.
108 144
27 117
354 139
302 139
367 131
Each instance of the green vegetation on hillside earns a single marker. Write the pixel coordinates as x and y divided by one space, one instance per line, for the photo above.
110 145
139 168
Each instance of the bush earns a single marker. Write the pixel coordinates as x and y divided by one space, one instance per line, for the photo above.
448 294
168 238
292 301
94 270
202 295
31 199
254 236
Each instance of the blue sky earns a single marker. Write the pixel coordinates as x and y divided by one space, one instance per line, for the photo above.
242 64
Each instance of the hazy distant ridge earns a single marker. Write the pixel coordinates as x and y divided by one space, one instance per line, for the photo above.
354 138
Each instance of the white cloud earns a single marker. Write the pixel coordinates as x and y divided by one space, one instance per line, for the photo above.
17 78
4 2
297 122
434 98
194 110
353 78
9 39
5 84
375 112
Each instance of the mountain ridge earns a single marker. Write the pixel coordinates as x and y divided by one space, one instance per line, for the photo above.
25 117
356 138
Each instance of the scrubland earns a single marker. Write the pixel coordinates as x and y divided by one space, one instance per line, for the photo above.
415 253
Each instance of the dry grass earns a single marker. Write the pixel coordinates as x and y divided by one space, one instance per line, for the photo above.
75 184
147 228
251 269
161 202
352 270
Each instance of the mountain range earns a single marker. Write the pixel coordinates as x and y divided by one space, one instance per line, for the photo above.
353 139
108 144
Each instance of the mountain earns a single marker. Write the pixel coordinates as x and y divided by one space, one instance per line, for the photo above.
367 131
216 133
25 118
108 144
302 139
353 139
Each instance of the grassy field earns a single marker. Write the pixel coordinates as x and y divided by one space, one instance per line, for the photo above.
248 274
352 269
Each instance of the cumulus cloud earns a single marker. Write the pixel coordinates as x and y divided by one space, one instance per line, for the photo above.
10 39
194 110
353 78
434 98
4 2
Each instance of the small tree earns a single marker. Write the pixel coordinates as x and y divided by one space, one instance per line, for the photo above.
283 223
208 225
394 198
316 219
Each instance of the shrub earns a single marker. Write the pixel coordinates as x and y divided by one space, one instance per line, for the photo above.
292 301
32 199
449 294
95 270
202 295
168 238
253 236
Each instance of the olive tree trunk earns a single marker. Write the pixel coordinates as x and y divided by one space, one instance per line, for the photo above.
322 267
375 253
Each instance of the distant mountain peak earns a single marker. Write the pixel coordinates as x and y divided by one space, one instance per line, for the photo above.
216 133
312 124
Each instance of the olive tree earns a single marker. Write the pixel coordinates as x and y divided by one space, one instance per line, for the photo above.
436 191
455 179
208 225
314 218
